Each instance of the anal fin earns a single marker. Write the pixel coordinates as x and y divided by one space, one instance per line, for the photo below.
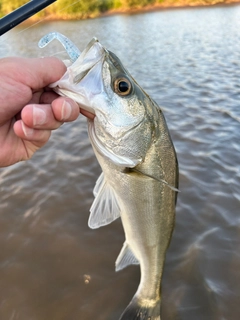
125 258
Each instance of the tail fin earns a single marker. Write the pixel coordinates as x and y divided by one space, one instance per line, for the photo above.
135 311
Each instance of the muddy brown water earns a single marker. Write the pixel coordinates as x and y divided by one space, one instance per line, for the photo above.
52 266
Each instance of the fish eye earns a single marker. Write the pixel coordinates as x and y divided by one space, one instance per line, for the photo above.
122 86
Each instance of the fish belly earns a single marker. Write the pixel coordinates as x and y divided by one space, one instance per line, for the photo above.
148 214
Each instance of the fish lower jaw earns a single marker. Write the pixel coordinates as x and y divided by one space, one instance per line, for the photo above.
87 114
86 108
87 111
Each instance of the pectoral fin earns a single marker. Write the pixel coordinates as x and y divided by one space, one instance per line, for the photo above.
105 207
125 258
99 184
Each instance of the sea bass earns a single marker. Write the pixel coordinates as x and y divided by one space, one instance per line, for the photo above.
139 182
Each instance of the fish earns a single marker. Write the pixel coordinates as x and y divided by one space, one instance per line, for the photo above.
139 179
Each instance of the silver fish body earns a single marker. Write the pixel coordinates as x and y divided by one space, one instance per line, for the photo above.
131 141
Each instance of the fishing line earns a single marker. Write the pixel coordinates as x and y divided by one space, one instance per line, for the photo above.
22 13
2 38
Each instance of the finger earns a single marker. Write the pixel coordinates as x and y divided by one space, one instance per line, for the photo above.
46 70
37 137
48 116
47 97
36 97
36 73
61 110
65 109
43 97
38 116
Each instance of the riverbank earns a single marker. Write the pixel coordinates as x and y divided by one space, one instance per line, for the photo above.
55 15
171 5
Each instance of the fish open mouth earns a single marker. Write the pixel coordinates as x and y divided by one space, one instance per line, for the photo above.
82 81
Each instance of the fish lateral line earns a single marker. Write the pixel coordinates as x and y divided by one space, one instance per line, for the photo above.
128 170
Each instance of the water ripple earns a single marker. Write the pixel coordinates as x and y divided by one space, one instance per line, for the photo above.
188 61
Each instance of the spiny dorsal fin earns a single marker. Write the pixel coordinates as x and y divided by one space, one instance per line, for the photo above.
125 258
105 208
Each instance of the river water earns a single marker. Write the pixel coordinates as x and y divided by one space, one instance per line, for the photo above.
52 266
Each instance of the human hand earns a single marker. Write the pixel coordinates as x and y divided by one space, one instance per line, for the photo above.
29 111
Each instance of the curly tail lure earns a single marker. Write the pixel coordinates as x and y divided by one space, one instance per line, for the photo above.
71 49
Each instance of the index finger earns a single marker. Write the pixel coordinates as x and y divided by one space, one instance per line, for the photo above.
35 73
44 71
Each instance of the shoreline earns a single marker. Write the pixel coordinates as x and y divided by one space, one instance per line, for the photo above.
137 10
164 6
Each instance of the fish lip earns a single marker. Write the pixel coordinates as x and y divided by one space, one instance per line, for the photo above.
64 92
89 115
99 55
87 108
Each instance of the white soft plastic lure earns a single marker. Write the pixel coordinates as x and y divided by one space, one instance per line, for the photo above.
131 141
68 45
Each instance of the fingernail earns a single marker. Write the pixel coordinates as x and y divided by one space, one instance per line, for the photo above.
66 110
27 131
39 116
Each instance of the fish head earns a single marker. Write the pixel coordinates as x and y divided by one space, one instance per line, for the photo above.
123 123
